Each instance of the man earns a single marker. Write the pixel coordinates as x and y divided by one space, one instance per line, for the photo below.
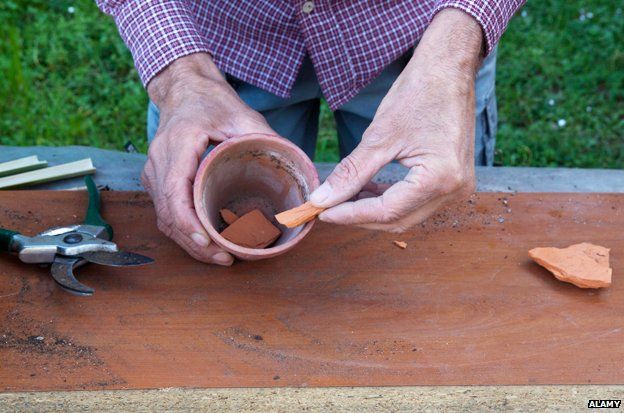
401 76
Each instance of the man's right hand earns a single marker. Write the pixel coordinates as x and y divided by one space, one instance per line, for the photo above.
196 105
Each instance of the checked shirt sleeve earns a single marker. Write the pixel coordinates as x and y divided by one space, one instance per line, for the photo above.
157 32
492 15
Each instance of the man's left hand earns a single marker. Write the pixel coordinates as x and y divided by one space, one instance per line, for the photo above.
427 123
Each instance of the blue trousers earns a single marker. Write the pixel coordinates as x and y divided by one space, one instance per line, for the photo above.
297 117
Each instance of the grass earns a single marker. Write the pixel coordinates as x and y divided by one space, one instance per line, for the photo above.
563 62
66 78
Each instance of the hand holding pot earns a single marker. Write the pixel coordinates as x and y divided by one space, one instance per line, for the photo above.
196 106
427 123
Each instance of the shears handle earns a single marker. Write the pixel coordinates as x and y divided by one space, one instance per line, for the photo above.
93 216
6 239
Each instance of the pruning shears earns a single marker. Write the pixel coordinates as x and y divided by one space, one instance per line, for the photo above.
66 248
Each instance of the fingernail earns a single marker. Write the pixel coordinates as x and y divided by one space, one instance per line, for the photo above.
200 239
222 258
321 194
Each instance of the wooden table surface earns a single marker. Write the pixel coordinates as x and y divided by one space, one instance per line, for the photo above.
462 305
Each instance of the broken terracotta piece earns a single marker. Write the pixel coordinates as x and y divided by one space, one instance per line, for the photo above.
252 230
228 216
299 215
400 244
584 265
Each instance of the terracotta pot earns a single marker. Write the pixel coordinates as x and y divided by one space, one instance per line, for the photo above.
254 171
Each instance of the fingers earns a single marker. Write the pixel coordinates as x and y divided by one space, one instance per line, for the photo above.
418 216
400 200
177 219
403 205
351 175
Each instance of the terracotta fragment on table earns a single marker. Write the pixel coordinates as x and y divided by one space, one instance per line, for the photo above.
584 265
299 215
228 216
252 230
400 244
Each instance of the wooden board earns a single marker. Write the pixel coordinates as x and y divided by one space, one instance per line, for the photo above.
462 304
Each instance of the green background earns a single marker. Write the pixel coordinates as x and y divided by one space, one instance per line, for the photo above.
67 78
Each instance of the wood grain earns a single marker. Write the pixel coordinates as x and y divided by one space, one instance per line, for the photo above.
462 305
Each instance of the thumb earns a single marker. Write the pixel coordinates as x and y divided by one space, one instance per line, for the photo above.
350 175
254 122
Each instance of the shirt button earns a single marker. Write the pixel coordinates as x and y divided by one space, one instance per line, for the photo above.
308 6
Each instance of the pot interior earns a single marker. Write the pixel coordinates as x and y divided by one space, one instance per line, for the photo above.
250 175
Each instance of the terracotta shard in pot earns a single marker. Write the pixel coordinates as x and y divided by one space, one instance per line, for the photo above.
254 171
228 216
252 230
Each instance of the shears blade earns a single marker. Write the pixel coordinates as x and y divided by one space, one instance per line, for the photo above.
116 259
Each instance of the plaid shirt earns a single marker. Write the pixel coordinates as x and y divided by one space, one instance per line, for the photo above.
264 42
